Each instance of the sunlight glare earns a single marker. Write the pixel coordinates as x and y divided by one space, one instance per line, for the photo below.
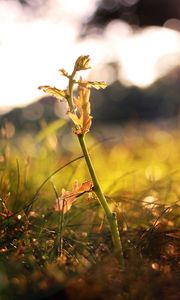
141 55
78 8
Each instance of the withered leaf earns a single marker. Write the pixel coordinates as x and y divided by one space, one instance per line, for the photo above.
53 91
94 84
83 120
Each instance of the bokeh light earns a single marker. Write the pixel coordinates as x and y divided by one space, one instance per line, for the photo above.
34 44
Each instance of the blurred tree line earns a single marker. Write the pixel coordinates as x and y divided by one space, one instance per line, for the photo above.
117 103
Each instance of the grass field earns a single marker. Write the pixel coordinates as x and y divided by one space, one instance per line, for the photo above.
47 253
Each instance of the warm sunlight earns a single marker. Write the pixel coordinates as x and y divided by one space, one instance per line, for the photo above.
31 48
89 149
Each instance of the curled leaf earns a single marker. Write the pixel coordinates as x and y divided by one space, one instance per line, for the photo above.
83 120
67 198
53 91
82 63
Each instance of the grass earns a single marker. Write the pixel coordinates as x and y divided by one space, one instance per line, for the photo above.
47 254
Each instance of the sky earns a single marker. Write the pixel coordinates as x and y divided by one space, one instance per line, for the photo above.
35 44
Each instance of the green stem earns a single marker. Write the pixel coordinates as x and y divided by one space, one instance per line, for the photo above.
111 217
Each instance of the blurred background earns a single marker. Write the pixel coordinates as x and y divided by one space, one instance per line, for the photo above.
134 46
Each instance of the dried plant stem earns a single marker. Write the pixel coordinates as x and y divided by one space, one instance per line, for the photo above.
111 217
